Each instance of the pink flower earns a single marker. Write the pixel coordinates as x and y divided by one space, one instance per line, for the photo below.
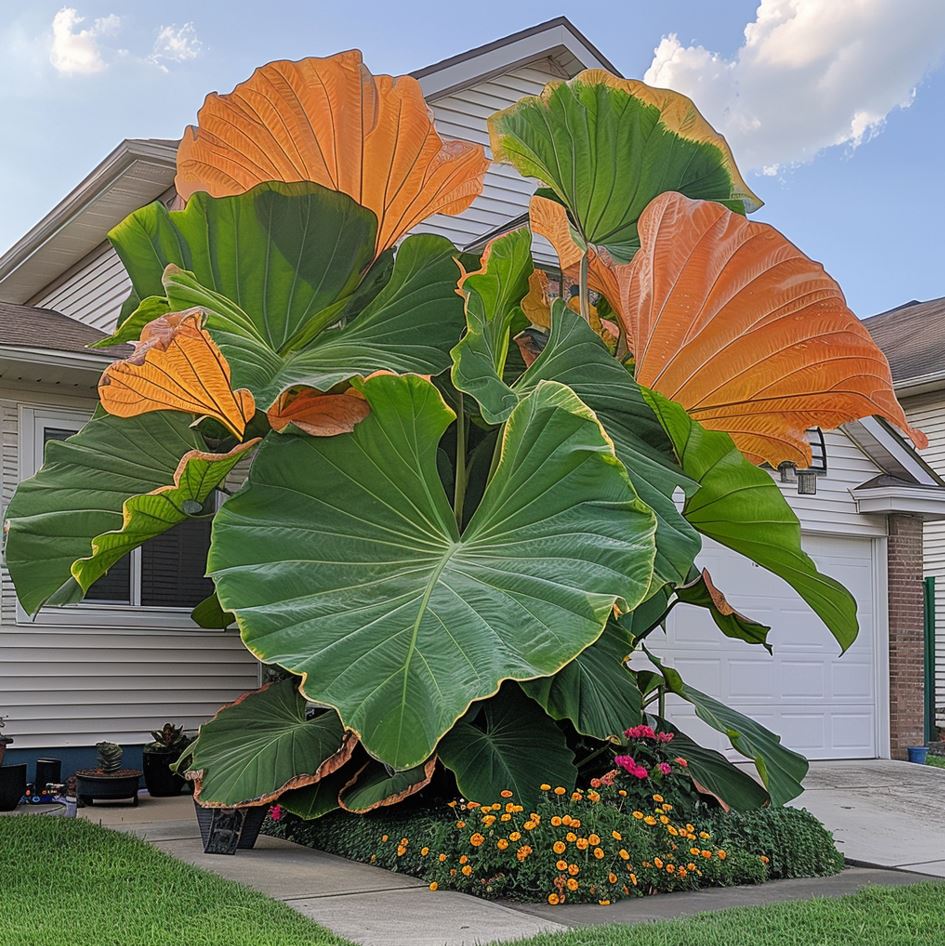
627 763
665 768
665 736
275 812
640 732
679 760
639 772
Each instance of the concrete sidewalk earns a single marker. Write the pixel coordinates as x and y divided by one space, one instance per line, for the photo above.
375 907
883 813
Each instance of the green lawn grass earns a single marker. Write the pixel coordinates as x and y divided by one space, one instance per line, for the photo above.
937 760
68 882
876 916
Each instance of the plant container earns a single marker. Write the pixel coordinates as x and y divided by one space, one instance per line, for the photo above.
159 780
95 785
918 754
12 785
4 742
226 830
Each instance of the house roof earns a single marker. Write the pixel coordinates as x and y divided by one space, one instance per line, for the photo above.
141 170
26 326
912 336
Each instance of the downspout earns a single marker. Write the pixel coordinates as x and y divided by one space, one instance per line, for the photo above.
928 586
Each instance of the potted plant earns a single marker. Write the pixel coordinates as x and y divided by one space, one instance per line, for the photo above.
159 755
12 777
109 780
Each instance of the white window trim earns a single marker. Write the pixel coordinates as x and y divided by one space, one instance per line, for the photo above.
32 422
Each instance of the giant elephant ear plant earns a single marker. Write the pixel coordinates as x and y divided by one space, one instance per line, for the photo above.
459 519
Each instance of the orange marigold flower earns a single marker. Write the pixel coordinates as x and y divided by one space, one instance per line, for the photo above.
633 879
670 868
664 819
722 855
650 820
575 823
622 793
612 878
529 825
505 817
559 847
556 822
467 870
554 899
460 824
658 863
593 839
441 858
593 796
599 853
681 873
573 870
434 886
704 835
638 815
463 858
570 837
623 854
560 790
472 804
576 796
523 852
510 807
502 844
616 835
476 839
505 793
488 820
424 851
657 798
667 807
515 836
566 819
690 866
672 830
384 838
706 854
545 787
764 859
561 865
581 844
572 884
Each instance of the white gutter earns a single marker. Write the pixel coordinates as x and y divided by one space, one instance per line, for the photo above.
933 381
48 357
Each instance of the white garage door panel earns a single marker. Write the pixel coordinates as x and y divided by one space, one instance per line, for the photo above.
821 704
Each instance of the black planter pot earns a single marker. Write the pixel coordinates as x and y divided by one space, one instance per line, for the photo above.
226 830
12 785
159 780
92 785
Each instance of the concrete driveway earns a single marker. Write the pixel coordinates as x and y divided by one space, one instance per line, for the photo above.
884 813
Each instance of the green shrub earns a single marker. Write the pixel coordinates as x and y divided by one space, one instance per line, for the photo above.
794 841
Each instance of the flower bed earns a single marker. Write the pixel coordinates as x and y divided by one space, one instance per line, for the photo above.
597 845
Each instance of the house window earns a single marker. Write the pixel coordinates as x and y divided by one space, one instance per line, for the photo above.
156 584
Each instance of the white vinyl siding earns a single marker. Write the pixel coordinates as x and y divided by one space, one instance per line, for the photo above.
92 291
927 412
833 509
73 685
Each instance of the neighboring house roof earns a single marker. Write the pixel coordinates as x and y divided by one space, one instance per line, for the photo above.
141 170
912 336
26 326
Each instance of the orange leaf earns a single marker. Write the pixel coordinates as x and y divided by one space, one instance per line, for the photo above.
321 415
329 121
176 366
751 336
537 304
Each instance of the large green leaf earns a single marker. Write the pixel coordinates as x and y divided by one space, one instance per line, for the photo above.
408 326
508 743
492 307
286 254
151 514
606 147
376 787
782 770
597 692
574 355
79 495
711 771
262 745
317 799
701 592
740 506
360 580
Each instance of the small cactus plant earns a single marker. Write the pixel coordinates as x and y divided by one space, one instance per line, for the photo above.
109 756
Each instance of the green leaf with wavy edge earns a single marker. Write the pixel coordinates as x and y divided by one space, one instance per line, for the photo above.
150 514
575 356
262 745
409 326
606 151
343 562
80 492
376 787
210 615
782 770
597 691
286 254
740 506
702 593
492 308
318 799
711 771
507 743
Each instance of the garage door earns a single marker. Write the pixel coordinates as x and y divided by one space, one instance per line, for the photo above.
821 704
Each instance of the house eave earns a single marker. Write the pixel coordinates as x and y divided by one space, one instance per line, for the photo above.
45 367
923 384
926 502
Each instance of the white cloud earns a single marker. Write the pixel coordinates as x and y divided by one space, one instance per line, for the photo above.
77 51
811 74
175 44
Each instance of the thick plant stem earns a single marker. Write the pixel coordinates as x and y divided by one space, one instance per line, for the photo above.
459 483
583 290
661 706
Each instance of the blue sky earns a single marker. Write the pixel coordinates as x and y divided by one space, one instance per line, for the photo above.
834 110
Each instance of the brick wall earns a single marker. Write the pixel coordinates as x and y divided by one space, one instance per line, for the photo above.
906 635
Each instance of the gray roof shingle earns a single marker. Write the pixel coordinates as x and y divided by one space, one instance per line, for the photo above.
912 336
26 326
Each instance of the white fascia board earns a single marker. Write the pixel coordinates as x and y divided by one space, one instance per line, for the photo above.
932 381
903 453
927 502
47 357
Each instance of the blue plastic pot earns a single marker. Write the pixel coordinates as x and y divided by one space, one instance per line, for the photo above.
918 754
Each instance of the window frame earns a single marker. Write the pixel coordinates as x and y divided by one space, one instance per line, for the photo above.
33 422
